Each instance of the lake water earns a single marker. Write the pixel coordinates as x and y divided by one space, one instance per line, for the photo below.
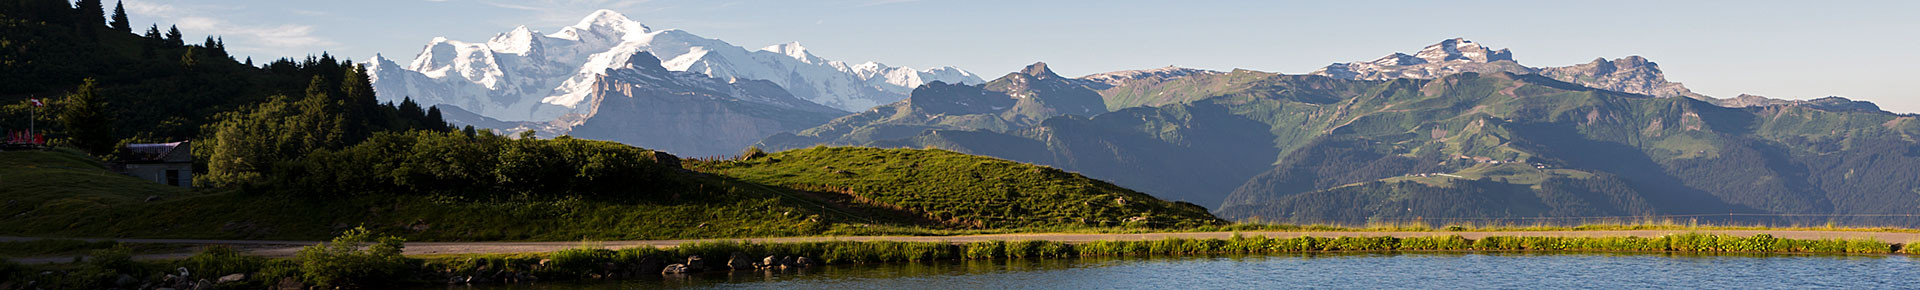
1476 270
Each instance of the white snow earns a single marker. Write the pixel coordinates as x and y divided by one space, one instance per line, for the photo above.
522 75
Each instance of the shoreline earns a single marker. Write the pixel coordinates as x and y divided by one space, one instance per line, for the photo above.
284 248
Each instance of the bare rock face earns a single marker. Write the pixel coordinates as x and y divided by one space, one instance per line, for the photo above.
1632 74
1826 103
1451 56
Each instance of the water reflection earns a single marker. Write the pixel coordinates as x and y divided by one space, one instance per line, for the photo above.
1335 270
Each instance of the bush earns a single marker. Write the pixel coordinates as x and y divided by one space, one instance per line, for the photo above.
215 261
343 263
578 262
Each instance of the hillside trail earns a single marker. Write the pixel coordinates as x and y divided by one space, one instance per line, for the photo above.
269 248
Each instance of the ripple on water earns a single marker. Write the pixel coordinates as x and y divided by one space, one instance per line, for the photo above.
1478 270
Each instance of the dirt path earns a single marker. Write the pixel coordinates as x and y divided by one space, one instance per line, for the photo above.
290 248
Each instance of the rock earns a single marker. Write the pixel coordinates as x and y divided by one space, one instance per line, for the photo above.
202 284
544 262
231 278
694 263
739 261
674 269
153 198
769 262
289 283
802 262
456 280
124 280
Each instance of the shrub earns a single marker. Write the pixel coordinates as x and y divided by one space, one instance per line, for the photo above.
215 261
343 263
578 261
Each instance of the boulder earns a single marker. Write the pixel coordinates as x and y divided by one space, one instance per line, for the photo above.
289 283
695 264
768 262
124 280
231 279
802 262
674 269
739 261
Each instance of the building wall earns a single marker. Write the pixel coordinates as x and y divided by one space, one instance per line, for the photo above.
157 172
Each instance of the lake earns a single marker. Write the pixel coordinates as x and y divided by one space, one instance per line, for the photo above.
1336 270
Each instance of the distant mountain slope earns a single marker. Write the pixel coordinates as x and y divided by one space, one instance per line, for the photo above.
1015 101
523 75
1495 145
1632 74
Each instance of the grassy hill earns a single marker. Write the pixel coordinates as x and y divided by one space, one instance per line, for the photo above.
952 189
786 194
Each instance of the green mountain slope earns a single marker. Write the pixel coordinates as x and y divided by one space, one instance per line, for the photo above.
1466 146
1015 101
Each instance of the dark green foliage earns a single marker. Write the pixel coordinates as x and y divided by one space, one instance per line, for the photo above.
84 117
173 36
485 166
219 260
343 262
89 16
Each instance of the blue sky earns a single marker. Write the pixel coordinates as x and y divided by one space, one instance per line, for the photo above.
1784 49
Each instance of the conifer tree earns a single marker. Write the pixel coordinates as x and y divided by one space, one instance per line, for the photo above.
120 22
173 36
89 14
153 33
434 121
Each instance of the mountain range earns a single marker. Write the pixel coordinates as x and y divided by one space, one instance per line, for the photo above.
554 84
1464 132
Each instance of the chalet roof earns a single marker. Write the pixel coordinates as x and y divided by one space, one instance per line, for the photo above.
152 152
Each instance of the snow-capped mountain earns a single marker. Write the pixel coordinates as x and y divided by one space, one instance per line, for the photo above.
523 75
1633 74
1112 79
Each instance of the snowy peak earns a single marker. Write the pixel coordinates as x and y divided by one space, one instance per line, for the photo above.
1111 79
523 75
1461 49
795 51
608 20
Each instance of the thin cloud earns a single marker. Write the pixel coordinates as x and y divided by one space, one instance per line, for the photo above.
280 40
567 12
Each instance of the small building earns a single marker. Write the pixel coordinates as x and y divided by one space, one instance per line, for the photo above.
166 163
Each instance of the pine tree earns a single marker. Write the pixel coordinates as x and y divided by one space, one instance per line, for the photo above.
88 17
410 111
434 121
89 13
84 117
120 19
153 33
173 36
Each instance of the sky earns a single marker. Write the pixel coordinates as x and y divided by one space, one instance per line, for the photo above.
1866 50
